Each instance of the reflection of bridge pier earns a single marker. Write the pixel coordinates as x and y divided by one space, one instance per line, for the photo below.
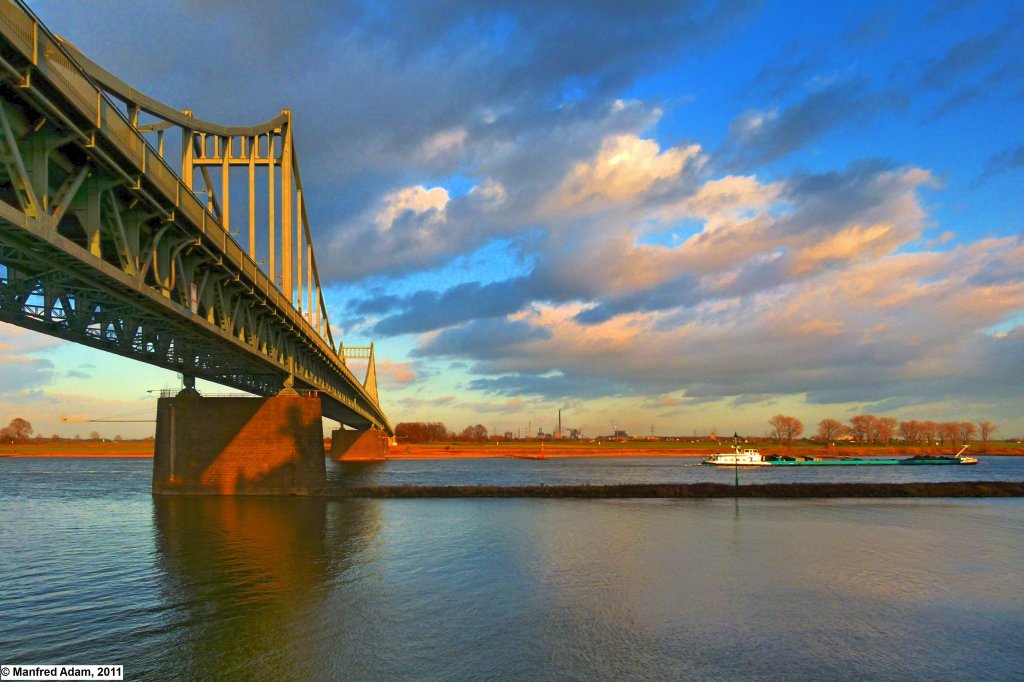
256 580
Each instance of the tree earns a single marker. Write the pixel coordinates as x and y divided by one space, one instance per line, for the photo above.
986 429
117 438
94 435
930 431
830 429
18 429
786 428
912 431
864 427
422 432
949 431
967 432
474 433
885 429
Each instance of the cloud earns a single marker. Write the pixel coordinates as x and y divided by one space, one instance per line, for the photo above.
482 338
1004 161
419 205
396 372
759 137
626 166
964 58
943 9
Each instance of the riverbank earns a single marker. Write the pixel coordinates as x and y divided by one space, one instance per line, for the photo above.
141 449
568 449
534 450
694 490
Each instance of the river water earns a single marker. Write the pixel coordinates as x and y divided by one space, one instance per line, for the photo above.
93 569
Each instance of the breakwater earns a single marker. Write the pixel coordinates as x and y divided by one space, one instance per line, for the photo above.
693 490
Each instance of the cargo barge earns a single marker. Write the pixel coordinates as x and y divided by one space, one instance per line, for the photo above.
751 457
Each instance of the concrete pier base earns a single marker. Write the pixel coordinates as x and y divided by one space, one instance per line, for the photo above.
239 446
359 446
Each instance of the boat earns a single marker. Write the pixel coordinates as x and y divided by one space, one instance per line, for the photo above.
753 458
958 458
748 457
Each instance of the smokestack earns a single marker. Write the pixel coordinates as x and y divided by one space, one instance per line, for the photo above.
559 436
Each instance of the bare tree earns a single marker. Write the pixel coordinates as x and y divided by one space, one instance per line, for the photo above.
930 431
912 431
967 432
986 429
886 429
864 427
830 429
949 431
94 435
778 424
786 428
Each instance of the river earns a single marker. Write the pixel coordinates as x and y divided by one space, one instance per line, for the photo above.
93 569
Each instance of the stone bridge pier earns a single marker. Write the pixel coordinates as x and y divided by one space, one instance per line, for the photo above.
239 445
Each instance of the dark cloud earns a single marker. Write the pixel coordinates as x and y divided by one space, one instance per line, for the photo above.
1004 161
875 27
965 57
785 73
825 201
683 291
756 138
427 310
943 9
483 339
553 387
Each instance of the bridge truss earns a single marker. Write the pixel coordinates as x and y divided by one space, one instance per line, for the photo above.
107 241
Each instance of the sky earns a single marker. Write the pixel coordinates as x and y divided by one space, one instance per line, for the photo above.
667 216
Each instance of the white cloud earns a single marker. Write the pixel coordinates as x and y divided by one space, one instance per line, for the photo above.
415 200
625 167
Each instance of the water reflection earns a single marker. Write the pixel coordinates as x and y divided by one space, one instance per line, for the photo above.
249 577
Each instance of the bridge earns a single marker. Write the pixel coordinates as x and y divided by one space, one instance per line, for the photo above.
120 228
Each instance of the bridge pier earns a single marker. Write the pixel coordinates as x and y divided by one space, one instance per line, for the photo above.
357 446
239 446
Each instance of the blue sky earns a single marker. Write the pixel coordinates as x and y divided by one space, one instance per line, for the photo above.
691 215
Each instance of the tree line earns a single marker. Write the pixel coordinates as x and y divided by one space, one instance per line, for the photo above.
423 432
870 428
20 430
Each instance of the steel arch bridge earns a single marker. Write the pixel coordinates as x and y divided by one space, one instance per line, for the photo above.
107 241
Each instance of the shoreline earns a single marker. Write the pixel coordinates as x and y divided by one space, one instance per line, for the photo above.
694 491
531 451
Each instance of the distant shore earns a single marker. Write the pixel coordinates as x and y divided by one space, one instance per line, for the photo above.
143 449
696 490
